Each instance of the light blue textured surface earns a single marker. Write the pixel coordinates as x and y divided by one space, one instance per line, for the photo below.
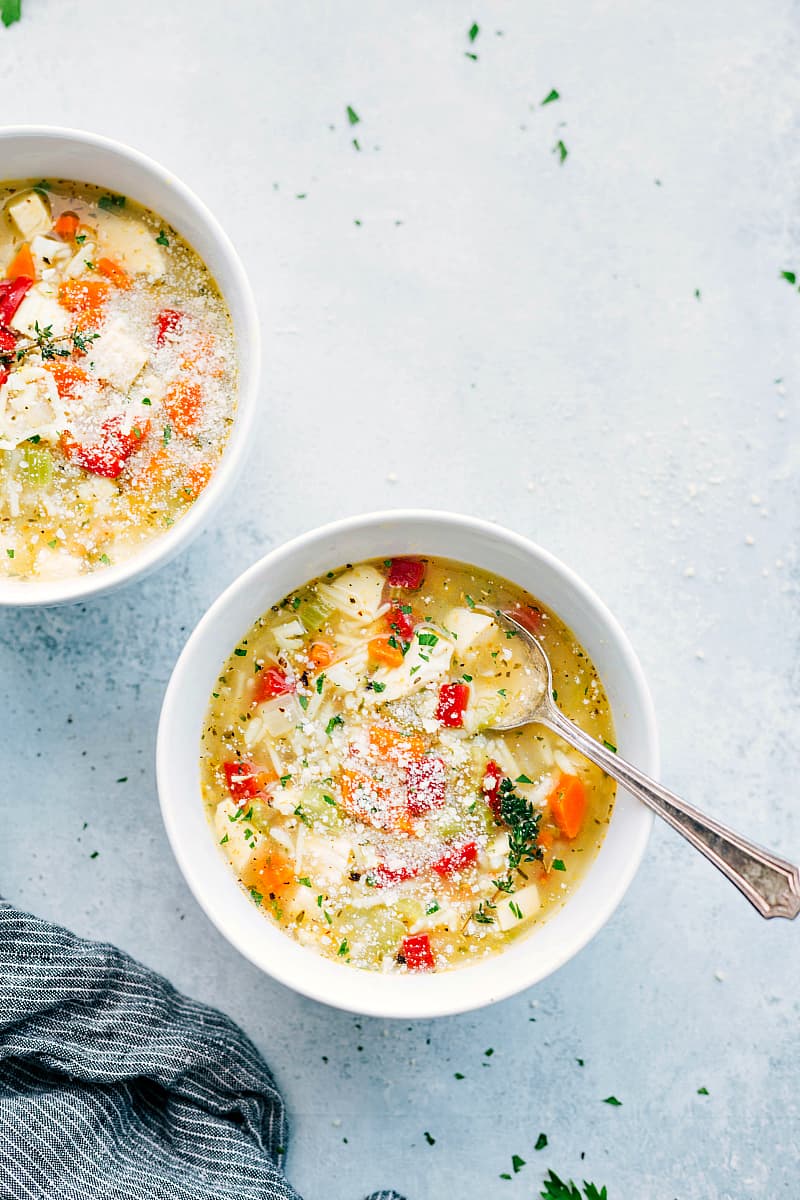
510 337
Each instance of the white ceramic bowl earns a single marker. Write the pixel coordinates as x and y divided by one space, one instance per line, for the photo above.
44 152
379 535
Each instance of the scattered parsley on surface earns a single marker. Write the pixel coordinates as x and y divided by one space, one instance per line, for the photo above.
541 1142
517 1163
474 30
94 854
550 97
613 1101
352 115
561 150
10 11
458 1075
703 1091
789 276
430 1140
557 1189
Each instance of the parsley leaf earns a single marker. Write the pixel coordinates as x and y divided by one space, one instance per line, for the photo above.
613 1101
108 203
162 238
541 1142
789 276
10 11
558 864
352 116
473 32
550 97
334 721
561 150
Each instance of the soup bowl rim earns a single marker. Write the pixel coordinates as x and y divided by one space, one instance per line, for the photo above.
208 873
94 159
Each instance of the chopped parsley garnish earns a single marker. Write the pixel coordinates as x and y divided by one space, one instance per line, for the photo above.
541 1142
284 779
378 687
489 1052
343 949
467 678
427 639
53 543
789 276
10 553
517 1163
162 239
550 97
303 702
10 11
523 779
703 1091
558 864
557 1189
430 1140
613 1101
167 434
239 652
473 32
146 400
334 721
306 882
610 746
458 1075
256 895
304 817
470 601
319 683
352 115
561 150
80 238
329 800
431 909
555 695
224 839
109 202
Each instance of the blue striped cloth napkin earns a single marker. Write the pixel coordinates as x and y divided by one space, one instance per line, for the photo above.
113 1086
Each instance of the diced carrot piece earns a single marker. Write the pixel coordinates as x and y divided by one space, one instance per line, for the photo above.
183 402
114 273
83 296
320 655
66 226
68 378
568 804
382 651
392 744
197 478
22 265
269 873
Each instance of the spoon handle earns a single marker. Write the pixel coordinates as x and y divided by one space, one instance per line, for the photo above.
770 883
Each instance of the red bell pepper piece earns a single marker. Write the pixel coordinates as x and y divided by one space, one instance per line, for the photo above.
453 700
169 320
426 781
384 876
401 623
417 952
12 293
241 780
406 573
271 683
457 858
528 617
491 786
108 454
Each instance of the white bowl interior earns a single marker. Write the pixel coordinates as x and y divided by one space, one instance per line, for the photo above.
45 153
207 872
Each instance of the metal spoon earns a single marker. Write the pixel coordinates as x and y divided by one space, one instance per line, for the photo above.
770 883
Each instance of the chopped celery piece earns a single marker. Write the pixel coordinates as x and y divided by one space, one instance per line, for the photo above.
36 465
315 806
314 611
410 909
447 824
372 933
261 817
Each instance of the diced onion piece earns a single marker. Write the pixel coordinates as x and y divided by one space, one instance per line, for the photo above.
281 715
467 626
356 593
526 902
